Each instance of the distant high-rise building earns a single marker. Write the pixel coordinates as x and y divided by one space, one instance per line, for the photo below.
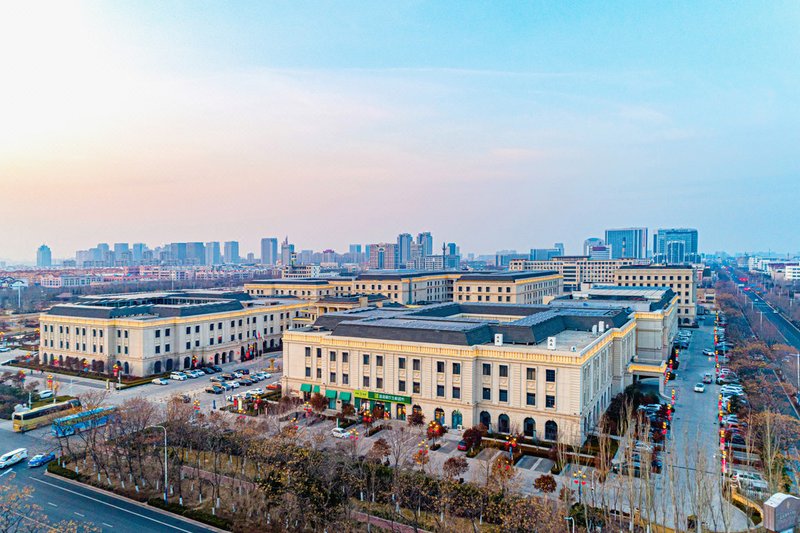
425 240
44 258
560 247
177 252
404 241
601 251
383 256
138 252
269 250
287 252
232 252
251 258
213 255
305 257
590 242
627 243
451 256
675 245
355 249
195 253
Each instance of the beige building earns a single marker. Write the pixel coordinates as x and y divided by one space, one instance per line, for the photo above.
544 372
577 270
526 287
681 279
151 333
415 287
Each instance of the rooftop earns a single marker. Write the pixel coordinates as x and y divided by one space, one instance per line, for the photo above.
506 275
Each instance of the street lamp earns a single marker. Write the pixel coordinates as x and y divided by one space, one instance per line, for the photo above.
165 459
579 478
573 522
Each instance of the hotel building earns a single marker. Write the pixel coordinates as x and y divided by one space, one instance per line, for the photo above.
577 269
681 279
545 372
156 332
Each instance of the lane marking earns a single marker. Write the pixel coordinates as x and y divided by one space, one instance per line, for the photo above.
6 472
51 503
79 514
109 504
107 525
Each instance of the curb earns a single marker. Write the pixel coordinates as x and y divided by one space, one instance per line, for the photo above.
135 502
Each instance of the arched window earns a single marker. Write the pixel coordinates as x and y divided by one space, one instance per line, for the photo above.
157 367
456 419
216 358
529 427
503 424
187 362
169 365
485 419
550 430
126 368
438 415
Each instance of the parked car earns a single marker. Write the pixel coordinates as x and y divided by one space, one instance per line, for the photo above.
237 374
234 384
178 376
207 370
226 385
244 371
161 381
228 376
214 389
267 375
190 374
257 391
340 433
699 387
708 378
462 445
216 368
41 459
45 394
216 379
274 386
246 381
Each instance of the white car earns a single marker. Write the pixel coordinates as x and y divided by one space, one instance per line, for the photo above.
237 374
709 353
234 384
258 391
178 376
699 387
161 381
340 433
266 375
13 457
45 394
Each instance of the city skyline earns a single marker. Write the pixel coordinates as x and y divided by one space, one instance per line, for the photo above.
473 120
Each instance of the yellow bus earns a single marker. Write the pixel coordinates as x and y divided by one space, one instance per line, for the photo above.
44 415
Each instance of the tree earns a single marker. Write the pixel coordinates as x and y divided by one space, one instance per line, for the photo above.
416 418
502 474
545 483
472 437
380 450
318 402
455 467
348 410
434 431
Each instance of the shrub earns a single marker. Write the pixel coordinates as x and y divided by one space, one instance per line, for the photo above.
194 514
57 469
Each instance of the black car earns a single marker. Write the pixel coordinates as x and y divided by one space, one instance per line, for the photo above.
246 381
207 370
216 368
245 371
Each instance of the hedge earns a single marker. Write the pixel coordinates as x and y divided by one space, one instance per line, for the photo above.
194 514
55 468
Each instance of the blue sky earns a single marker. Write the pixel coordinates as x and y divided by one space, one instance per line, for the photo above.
495 125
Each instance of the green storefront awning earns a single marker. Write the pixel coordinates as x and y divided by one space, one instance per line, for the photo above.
345 396
305 387
316 388
330 394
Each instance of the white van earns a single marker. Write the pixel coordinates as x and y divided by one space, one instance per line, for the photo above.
178 376
13 457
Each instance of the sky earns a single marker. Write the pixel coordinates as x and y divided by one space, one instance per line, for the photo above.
496 125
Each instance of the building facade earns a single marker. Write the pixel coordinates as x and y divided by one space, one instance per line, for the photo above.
675 246
545 373
627 243
152 333
526 287
682 281
44 258
577 270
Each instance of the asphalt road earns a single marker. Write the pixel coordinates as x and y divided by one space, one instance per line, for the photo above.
61 500
786 328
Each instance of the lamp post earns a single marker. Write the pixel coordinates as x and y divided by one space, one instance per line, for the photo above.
165 459
573 522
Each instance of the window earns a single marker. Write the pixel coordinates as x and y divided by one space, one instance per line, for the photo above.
319 352
211 341
440 391
366 381
196 344
158 349
333 377
345 379
415 387
456 393
189 345
440 367
119 334
319 373
456 369
166 348
503 395
333 356
119 349
158 333
345 357
401 363
530 398
94 333
415 364
211 327
530 374
188 330
365 358
550 401
487 369
308 349
378 360
487 393
550 375
308 371
240 322
401 386
503 371
379 383
166 332
126 333
197 329
233 323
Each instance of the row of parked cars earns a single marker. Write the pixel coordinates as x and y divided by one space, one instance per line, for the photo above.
238 378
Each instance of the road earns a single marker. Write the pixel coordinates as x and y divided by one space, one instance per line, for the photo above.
61 500
786 328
